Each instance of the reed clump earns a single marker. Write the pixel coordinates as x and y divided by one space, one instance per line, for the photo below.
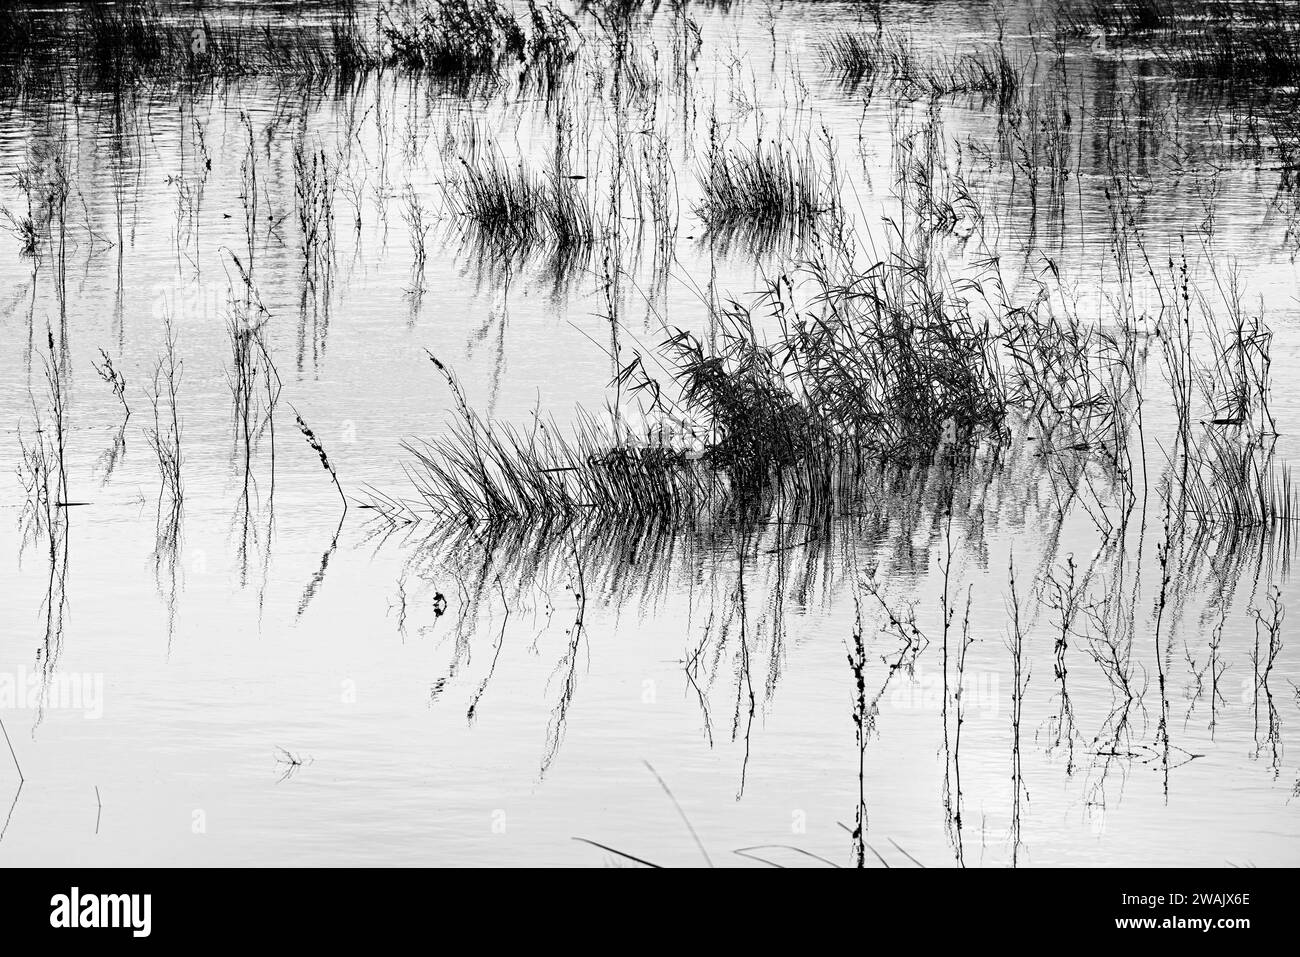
885 362
1238 486
553 42
1223 473
134 41
44 183
854 57
886 365
453 37
1263 50
891 61
1125 19
764 194
519 213
1204 40
483 472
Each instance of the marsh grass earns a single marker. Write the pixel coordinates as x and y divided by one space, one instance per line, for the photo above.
483 472
1207 41
519 214
1237 484
453 37
418 225
315 183
317 446
1235 383
43 181
164 433
553 43
112 456
876 366
37 515
1222 471
854 57
255 387
42 470
1268 618
891 61
1076 382
850 380
853 359
763 196
136 41
1125 19
1016 637
119 44
113 378
1265 52
857 657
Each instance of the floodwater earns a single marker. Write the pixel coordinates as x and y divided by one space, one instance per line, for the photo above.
257 678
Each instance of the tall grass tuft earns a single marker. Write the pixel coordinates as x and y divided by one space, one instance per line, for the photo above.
518 214
481 472
453 38
767 195
892 61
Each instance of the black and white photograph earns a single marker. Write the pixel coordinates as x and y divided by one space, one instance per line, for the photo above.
685 434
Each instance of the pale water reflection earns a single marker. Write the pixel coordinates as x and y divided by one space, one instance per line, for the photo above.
247 621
